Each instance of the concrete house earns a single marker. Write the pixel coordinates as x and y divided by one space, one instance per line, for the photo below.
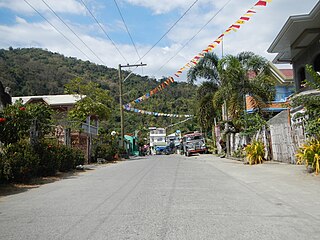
284 85
62 104
298 44
157 138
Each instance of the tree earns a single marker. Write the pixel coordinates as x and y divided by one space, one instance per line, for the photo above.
206 68
205 111
311 103
240 75
93 100
16 119
235 77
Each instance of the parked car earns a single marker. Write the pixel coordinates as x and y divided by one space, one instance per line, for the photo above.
194 143
161 150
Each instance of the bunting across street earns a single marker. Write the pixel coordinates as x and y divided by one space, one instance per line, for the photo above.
157 114
194 61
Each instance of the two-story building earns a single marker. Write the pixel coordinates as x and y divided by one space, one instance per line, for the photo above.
157 137
298 44
61 104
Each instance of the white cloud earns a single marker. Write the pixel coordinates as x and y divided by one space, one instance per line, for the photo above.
256 35
20 20
65 6
165 6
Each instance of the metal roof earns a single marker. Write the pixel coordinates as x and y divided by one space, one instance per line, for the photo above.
297 33
51 100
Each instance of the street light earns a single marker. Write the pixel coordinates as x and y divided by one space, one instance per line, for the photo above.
120 98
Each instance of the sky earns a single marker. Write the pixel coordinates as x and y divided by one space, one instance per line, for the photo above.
152 32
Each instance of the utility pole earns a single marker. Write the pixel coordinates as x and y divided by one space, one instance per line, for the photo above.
121 100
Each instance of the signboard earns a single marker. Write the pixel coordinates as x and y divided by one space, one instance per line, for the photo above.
89 129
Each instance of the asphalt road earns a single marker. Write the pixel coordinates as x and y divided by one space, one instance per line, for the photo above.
170 197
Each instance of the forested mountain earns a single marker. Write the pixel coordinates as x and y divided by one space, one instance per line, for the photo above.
31 71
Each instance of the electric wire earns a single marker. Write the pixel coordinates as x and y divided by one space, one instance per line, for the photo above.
169 29
125 24
73 32
104 31
193 37
58 30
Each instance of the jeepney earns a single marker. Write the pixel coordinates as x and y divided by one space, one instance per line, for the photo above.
194 143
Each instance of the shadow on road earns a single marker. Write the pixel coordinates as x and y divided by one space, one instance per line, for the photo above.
15 188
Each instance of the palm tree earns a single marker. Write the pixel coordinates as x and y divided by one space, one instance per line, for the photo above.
205 111
246 73
235 77
206 69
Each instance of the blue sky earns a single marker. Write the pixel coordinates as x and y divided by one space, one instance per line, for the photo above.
147 21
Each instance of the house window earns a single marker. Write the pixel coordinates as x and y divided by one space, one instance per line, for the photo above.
316 64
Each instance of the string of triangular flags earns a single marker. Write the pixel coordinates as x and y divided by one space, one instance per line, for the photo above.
157 114
194 61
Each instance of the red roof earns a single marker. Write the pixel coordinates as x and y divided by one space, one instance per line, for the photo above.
251 74
288 73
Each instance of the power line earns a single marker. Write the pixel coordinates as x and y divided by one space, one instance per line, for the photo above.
57 30
169 29
104 31
73 31
124 22
193 36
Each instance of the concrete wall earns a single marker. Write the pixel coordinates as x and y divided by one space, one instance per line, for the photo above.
282 145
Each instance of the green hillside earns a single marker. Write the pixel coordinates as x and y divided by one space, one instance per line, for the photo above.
31 71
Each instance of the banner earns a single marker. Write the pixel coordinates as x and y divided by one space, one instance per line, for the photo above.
157 114
194 61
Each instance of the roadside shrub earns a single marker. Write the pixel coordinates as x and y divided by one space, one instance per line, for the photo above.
16 119
66 158
239 153
255 152
20 163
105 151
79 157
309 154
3 175
69 158
49 162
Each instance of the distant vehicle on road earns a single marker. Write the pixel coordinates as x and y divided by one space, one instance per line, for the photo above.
161 150
194 143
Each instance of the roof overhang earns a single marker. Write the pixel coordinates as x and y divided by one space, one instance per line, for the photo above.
297 34
283 79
